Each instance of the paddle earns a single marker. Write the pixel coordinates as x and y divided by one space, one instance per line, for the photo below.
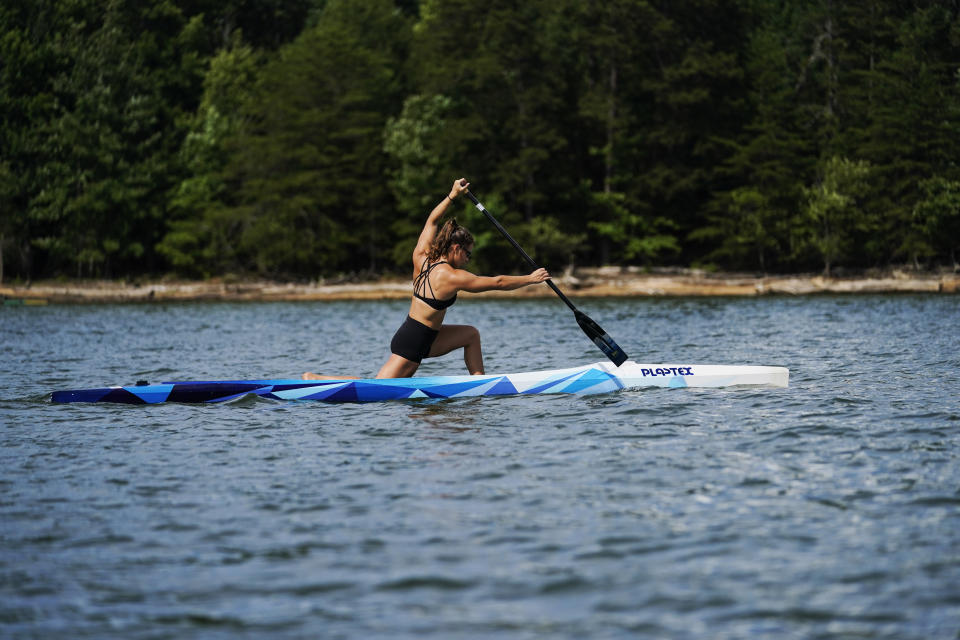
599 337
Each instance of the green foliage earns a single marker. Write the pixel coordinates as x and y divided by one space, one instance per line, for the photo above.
745 233
416 142
936 218
746 223
913 128
94 175
638 236
107 162
196 241
306 138
692 105
302 188
831 218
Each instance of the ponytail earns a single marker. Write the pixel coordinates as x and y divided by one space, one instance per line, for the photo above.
450 234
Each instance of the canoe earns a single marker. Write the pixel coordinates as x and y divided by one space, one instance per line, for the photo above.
600 377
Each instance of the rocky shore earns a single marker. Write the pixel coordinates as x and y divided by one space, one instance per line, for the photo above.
593 282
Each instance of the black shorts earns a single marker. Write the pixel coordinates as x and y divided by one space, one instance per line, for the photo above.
413 340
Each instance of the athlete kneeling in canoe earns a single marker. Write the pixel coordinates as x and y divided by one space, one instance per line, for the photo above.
438 276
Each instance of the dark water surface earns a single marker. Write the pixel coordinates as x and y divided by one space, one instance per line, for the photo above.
827 510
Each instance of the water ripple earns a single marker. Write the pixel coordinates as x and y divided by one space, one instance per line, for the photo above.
829 509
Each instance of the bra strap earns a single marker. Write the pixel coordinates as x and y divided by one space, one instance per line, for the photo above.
423 279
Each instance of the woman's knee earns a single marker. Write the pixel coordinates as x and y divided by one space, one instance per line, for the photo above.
398 367
455 337
473 335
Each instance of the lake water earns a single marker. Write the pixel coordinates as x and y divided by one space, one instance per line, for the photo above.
830 509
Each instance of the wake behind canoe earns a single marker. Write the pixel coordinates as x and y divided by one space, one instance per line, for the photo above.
601 377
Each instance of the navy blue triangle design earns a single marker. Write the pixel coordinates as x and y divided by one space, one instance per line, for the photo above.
348 393
122 395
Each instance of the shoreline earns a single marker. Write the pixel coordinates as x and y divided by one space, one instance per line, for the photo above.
600 282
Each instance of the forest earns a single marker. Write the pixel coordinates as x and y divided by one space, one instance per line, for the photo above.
306 139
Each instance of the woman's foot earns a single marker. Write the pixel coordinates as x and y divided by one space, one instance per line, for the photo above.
317 376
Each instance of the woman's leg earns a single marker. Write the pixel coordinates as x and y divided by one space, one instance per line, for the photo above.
398 367
316 376
455 336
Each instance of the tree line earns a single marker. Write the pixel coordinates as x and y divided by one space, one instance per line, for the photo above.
308 138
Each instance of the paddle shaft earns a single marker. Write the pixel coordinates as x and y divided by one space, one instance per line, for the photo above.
517 246
593 331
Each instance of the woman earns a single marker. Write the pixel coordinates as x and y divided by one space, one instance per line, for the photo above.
438 276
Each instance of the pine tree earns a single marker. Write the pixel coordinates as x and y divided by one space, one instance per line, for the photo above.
833 214
913 128
936 222
505 68
199 226
748 226
107 152
306 171
691 92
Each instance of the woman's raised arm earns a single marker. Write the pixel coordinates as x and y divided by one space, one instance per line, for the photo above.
429 232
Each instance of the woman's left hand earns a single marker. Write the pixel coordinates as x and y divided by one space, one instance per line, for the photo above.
539 275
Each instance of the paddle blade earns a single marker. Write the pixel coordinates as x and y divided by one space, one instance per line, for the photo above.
601 338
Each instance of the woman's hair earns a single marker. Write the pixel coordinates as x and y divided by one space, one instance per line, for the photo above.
450 234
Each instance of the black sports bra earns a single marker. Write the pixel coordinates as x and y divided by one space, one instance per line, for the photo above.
421 284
